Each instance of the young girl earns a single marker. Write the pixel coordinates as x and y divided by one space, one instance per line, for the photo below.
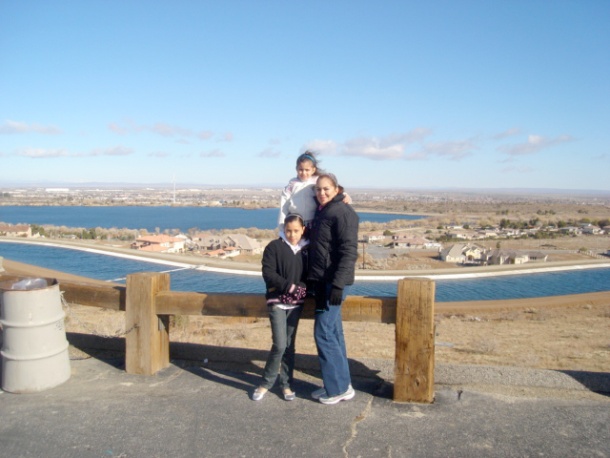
284 271
299 196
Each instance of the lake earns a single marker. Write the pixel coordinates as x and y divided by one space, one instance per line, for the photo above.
162 218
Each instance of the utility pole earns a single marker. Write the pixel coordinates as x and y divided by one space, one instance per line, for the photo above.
363 254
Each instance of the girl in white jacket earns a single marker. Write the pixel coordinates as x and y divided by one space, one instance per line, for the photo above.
299 195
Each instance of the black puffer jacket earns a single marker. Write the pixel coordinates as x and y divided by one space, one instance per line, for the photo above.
333 248
282 267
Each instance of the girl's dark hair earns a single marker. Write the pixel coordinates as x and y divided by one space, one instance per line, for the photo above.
294 217
333 178
311 157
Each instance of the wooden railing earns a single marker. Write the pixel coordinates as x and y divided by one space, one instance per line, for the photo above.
148 302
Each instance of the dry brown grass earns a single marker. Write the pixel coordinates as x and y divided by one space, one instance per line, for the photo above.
574 338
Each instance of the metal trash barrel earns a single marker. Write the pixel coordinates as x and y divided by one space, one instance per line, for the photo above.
34 345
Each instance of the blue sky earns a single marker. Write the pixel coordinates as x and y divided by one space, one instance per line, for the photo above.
470 94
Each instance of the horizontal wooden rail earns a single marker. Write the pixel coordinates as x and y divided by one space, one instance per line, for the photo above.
355 308
109 297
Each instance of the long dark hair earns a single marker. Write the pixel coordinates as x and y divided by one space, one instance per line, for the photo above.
311 157
294 217
332 177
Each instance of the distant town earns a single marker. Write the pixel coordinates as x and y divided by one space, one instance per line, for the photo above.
401 200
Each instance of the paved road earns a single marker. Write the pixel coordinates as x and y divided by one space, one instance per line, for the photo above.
201 410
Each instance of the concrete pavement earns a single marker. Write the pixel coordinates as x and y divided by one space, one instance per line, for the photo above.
198 409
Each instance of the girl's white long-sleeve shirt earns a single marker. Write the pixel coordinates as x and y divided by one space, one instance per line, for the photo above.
298 197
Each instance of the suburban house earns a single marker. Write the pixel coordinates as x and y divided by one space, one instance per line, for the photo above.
474 253
215 253
232 251
409 241
590 229
223 246
537 256
487 234
463 253
373 237
246 245
510 233
571 230
452 253
433 245
206 241
159 244
500 257
460 235
223 253
15 230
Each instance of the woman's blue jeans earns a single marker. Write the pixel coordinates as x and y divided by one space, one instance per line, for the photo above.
284 324
330 342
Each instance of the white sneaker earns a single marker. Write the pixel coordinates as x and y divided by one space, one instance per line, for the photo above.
322 392
329 400
259 394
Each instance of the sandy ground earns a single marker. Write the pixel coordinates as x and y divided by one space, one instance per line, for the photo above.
572 337
565 332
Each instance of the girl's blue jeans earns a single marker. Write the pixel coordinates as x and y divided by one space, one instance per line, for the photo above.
284 324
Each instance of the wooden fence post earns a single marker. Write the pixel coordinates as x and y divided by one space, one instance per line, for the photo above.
147 339
414 359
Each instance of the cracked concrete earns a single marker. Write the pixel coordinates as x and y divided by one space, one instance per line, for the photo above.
199 411
354 429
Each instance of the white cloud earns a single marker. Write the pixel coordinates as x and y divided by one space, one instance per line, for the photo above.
416 156
128 128
205 135
390 147
534 144
15 127
118 151
213 153
41 153
114 151
269 152
159 154
163 129
507 133
321 147
373 148
167 130
454 150
415 135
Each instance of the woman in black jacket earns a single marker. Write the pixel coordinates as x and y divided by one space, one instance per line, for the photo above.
333 252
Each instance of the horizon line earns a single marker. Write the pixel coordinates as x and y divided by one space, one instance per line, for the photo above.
178 186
